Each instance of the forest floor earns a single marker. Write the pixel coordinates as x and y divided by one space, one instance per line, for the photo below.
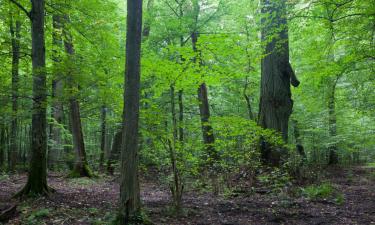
84 201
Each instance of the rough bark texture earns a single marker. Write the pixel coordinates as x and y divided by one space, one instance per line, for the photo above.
15 28
130 204
277 75
37 177
57 93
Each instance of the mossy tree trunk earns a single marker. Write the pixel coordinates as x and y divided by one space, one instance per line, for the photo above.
130 203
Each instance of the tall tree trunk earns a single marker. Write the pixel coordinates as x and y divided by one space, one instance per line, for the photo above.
204 112
37 177
130 203
81 167
277 75
103 136
15 28
333 157
57 93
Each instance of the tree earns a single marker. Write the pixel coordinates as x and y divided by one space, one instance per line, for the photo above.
81 167
130 204
277 74
37 178
15 28
57 110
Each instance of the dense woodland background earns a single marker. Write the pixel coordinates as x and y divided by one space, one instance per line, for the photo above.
235 96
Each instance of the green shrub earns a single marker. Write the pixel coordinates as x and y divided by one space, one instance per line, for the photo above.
316 192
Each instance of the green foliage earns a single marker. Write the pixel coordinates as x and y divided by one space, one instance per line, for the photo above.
316 192
324 191
37 215
3 176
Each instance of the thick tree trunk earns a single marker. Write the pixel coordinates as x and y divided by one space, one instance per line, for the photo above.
130 204
277 75
57 93
81 168
103 136
15 28
37 177
332 149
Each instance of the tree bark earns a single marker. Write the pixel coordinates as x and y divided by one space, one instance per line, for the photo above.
15 29
277 75
130 204
37 177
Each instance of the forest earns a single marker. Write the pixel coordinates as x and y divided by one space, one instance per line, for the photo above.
172 112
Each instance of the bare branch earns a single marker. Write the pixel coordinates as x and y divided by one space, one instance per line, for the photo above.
21 8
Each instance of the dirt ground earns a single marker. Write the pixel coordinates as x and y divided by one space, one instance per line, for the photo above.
84 201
